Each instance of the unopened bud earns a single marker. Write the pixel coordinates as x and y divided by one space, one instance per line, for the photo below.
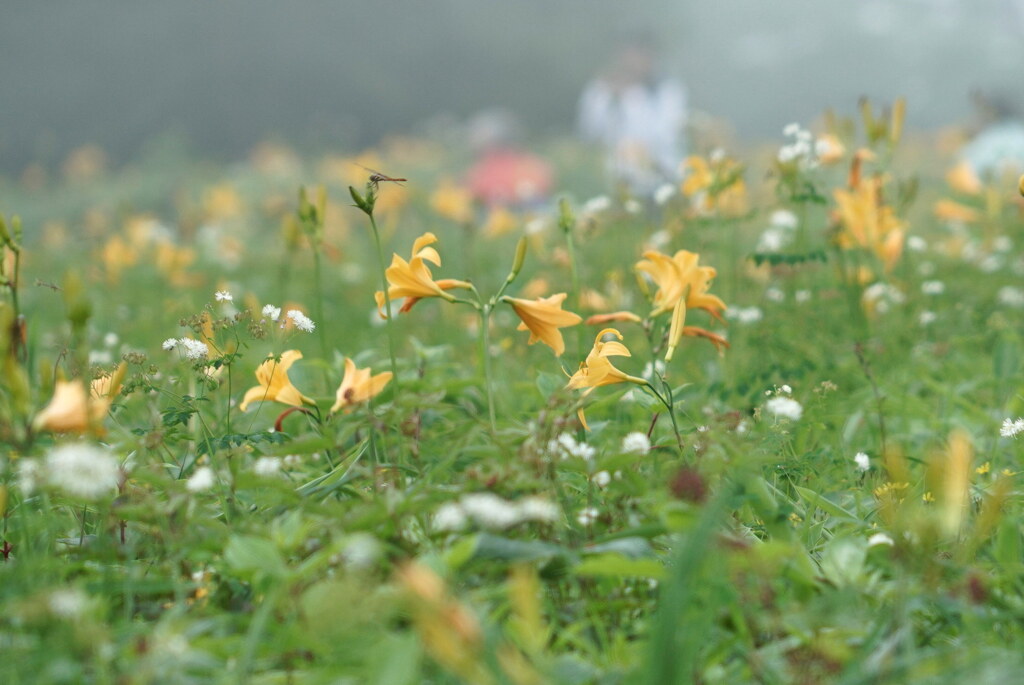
899 113
517 263
566 219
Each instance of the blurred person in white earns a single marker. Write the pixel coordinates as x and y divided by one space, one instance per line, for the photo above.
997 149
638 115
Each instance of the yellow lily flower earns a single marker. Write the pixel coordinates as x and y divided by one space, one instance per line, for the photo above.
412 280
357 385
962 179
274 384
543 317
72 411
952 211
452 202
682 284
597 370
866 221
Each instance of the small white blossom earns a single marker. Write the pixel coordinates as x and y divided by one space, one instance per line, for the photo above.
632 206
271 312
1011 296
991 264
449 518
916 243
880 539
538 509
783 218
580 450
1002 244
490 511
772 240
301 321
784 408
267 466
83 470
587 516
926 318
110 339
933 287
223 296
791 129
194 349
170 344
361 551
1011 427
802 296
68 603
636 443
30 474
862 461
602 479
597 204
201 480
744 314
664 193
659 239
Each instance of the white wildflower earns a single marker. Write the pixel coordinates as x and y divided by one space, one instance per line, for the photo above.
580 450
744 314
1011 296
223 296
361 551
538 509
170 344
301 321
784 408
774 294
194 349
449 518
587 516
1011 427
632 206
772 240
802 296
783 218
1002 244
201 480
535 226
880 539
659 239
991 264
602 479
933 287
83 470
100 357
490 511
68 603
266 467
791 129
862 461
597 204
271 312
30 474
664 193
110 339
636 443
926 318
916 243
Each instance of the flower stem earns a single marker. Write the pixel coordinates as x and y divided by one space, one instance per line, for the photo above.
387 302
318 302
485 356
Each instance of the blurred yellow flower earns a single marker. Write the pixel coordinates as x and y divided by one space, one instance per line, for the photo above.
715 184
682 284
543 317
357 385
829 149
866 221
452 202
962 179
499 222
71 411
117 255
222 201
599 319
948 210
274 384
597 370
412 280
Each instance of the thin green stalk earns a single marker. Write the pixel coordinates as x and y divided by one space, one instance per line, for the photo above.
485 345
318 301
387 302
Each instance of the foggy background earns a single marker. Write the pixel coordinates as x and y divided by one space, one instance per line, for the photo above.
220 75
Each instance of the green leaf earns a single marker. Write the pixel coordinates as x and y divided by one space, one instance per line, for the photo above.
618 566
254 557
826 505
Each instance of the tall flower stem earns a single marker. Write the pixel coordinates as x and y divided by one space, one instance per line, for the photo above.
669 403
485 356
318 302
387 301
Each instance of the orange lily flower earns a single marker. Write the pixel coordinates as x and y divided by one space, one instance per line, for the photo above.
274 384
412 280
543 317
868 222
72 411
597 370
357 385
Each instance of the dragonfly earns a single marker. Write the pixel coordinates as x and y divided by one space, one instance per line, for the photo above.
377 177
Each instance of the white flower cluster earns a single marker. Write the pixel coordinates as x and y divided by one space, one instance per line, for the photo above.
779 232
883 296
301 321
1011 296
202 479
664 193
271 312
223 296
267 467
636 443
933 287
784 408
744 314
596 205
862 461
1011 427
82 470
490 511
193 350
566 446
802 149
